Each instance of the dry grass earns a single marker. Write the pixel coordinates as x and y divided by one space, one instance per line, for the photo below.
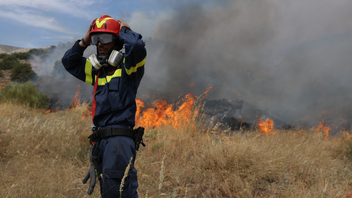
46 155
42 155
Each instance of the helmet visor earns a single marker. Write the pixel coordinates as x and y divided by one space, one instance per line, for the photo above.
103 38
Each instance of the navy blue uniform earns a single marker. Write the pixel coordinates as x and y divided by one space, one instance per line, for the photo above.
117 86
115 90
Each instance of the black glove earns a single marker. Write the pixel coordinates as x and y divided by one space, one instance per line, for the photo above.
92 172
138 139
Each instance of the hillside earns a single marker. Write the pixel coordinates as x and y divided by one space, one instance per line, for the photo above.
12 49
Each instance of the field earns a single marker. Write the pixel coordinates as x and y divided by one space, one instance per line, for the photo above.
46 155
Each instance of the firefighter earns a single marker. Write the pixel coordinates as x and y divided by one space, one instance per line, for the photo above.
115 72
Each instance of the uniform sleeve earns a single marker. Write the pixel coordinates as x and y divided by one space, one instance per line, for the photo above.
135 54
77 65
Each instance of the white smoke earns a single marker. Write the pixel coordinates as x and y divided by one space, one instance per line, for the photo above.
290 59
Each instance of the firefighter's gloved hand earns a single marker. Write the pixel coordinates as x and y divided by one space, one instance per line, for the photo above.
91 173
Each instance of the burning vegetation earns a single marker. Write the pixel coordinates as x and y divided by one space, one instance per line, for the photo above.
195 161
161 113
201 147
266 127
261 133
192 109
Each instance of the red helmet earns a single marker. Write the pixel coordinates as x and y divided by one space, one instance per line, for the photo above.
106 24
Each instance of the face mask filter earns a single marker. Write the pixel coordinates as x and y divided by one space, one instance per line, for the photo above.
95 62
115 58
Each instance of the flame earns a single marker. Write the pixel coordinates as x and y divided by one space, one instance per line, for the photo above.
323 129
266 127
87 113
36 68
52 111
2 85
347 135
75 102
192 84
140 105
161 113
206 92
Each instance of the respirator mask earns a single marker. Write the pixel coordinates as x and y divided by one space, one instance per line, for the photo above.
115 56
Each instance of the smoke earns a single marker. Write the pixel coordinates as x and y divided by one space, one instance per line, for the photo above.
55 80
210 46
290 59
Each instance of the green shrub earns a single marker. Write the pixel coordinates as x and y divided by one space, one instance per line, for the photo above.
42 52
3 55
9 62
38 52
22 55
22 72
1 74
24 94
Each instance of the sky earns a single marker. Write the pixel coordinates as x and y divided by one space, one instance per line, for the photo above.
290 59
42 23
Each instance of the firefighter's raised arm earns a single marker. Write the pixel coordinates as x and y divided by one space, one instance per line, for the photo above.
123 24
85 42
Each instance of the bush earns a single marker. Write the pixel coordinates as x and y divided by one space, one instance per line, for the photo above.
1 74
22 72
24 94
3 55
39 52
22 55
9 62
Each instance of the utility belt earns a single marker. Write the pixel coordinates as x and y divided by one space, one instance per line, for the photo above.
136 134
94 152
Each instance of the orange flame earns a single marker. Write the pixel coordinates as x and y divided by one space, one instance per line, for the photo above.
266 127
36 68
75 102
206 92
52 111
87 113
347 135
323 129
192 84
161 113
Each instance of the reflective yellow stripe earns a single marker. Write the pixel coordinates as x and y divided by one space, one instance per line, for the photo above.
102 81
88 70
99 24
134 69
